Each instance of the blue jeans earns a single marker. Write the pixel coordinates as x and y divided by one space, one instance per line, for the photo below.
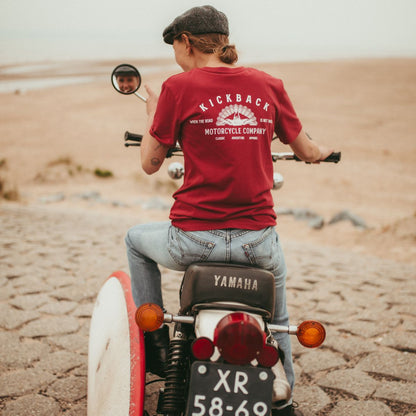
161 243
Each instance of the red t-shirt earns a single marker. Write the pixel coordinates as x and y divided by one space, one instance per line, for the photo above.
224 120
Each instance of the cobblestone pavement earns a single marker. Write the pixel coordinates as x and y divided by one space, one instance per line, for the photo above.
53 263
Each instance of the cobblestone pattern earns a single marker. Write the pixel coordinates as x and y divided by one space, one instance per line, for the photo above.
53 263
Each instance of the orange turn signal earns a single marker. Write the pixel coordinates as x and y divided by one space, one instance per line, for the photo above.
149 317
311 334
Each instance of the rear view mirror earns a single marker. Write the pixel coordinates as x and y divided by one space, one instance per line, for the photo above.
126 80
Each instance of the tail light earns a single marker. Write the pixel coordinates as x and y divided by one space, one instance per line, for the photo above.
311 334
269 356
239 338
202 348
149 317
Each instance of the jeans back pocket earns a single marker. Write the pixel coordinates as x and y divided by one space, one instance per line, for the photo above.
186 247
264 250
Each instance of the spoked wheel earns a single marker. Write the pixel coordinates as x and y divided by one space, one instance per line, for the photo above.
116 359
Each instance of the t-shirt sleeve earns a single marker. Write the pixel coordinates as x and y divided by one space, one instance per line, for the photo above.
166 121
288 125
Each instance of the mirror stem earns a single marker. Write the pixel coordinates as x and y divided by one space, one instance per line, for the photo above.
141 97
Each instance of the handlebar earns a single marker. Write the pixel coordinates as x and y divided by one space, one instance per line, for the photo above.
136 138
132 139
334 157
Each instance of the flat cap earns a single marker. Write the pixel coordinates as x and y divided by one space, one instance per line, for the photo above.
125 69
197 21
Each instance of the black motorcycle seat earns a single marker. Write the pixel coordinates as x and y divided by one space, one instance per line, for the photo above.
225 282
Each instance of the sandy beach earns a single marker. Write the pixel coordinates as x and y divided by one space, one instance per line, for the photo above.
69 190
52 141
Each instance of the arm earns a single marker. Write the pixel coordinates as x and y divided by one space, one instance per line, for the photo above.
307 150
152 152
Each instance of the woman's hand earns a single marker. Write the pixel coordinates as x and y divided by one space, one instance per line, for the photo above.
309 151
325 152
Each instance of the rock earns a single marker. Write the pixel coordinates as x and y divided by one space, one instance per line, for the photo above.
82 370
355 408
311 399
72 342
78 410
16 353
397 391
73 293
29 302
119 204
50 326
314 220
304 214
320 359
84 310
364 328
32 284
284 211
155 203
349 216
60 362
89 195
20 382
350 345
390 363
400 340
351 381
69 389
316 223
406 309
58 307
32 405
11 318
52 198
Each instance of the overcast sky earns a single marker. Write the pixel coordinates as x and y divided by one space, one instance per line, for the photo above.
35 30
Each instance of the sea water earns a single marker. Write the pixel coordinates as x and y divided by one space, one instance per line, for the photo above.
47 31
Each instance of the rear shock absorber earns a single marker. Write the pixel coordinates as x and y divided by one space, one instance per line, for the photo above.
176 385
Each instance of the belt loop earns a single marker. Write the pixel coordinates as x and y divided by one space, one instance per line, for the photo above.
228 245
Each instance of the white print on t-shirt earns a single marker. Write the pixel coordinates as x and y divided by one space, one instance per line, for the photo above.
234 98
236 120
234 130
201 121
236 115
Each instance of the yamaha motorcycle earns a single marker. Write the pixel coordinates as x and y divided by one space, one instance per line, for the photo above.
223 359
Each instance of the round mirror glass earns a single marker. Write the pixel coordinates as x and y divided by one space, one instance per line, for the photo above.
126 79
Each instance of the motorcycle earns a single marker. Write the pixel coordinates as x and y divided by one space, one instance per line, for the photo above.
223 358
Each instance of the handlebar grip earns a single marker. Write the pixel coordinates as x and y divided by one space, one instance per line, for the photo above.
334 157
133 137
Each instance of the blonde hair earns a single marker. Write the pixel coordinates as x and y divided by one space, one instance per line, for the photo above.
213 43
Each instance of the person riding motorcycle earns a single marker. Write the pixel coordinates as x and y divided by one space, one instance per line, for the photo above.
224 117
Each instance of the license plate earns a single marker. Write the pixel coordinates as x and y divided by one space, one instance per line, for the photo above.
229 390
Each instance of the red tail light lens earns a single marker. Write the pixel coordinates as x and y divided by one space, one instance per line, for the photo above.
269 356
202 348
239 338
311 334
